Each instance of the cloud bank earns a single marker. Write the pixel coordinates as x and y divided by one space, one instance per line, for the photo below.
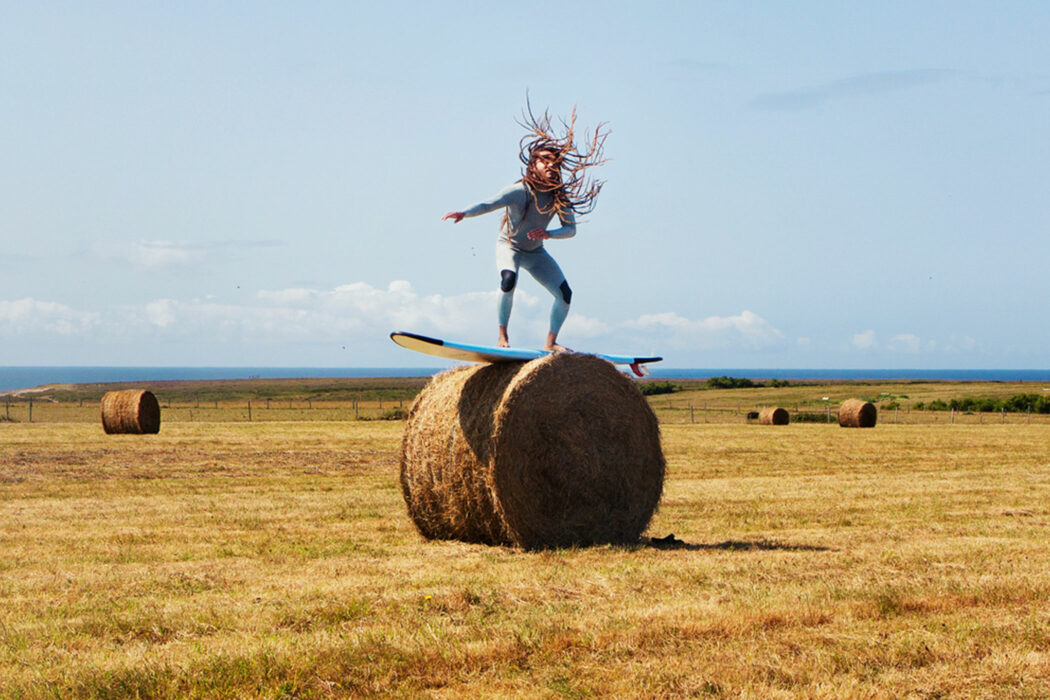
360 316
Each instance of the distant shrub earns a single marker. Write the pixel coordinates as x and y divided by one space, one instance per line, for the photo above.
974 404
1018 403
724 382
395 414
777 383
650 389
811 417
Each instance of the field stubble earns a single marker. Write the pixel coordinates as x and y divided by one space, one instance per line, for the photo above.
277 559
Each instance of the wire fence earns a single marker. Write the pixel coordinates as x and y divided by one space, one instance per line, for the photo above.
35 410
670 411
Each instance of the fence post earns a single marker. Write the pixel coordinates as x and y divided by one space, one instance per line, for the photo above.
953 416
1004 414
249 410
692 417
30 409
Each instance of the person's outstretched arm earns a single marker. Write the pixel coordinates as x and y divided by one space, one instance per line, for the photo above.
505 197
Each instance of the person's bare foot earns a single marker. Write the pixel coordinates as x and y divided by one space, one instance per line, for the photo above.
504 341
552 344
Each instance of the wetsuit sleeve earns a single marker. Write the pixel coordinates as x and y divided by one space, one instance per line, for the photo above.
568 227
512 194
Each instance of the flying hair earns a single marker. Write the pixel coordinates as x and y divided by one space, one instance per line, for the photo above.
572 191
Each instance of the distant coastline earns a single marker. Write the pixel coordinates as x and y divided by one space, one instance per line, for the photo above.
15 378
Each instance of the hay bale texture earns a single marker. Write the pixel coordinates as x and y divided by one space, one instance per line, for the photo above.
773 415
555 452
130 411
854 413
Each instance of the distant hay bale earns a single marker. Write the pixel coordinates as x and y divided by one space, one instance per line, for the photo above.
854 413
130 411
773 415
559 451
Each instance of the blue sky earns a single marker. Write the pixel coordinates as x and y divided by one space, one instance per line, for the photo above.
792 185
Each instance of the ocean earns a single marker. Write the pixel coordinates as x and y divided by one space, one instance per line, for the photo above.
12 378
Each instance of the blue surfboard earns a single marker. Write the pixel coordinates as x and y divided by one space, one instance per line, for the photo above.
485 353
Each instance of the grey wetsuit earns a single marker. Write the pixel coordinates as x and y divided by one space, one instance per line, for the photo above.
515 250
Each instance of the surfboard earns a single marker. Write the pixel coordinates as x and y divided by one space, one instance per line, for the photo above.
485 353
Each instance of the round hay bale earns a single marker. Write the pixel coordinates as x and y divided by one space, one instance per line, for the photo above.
773 415
854 413
130 411
555 452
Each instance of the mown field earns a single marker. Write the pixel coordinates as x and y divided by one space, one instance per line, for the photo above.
274 558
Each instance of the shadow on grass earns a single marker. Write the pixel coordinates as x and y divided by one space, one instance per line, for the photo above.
671 542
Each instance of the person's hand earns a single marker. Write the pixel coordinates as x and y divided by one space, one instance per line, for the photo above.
538 234
456 216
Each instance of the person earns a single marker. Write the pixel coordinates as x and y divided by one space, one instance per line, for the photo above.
552 184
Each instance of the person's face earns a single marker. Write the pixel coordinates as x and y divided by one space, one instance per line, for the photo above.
545 165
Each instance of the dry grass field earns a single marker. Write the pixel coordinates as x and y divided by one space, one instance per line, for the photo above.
274 558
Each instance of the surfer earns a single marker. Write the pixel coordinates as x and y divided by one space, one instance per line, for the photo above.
552 184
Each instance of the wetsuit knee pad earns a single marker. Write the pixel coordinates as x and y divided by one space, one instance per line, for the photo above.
566 293
508 278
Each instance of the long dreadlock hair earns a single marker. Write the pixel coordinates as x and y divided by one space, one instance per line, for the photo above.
571 190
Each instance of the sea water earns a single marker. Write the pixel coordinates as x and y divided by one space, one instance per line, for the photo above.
13 378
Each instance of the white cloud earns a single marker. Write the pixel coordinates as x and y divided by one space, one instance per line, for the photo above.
905 342
161 312
579 326
359 316
28 316
865 340
149 254
746 330
398 307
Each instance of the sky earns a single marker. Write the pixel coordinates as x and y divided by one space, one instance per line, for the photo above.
791 185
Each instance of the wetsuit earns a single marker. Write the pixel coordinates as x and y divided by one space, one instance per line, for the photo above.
515 250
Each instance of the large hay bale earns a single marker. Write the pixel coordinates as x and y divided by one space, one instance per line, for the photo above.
130 411
554 452
855 413
773 415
